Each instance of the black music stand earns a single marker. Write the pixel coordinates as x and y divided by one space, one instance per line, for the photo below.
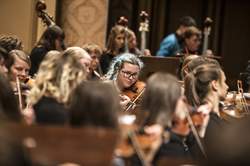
159 64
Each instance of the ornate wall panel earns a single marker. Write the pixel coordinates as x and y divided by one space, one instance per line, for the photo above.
84 21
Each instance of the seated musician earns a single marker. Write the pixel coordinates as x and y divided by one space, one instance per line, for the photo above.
191 41
164 103
133 46
205 87
19 69
51 39
95 53
7 44
115 46
56 78
190 45
124 71
171 45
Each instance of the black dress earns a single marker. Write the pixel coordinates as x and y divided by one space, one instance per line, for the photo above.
105 61
177 147
36 56
49 111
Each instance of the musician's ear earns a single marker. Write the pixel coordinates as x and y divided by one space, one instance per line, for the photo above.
215 85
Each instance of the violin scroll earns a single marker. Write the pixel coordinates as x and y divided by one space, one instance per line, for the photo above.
144 22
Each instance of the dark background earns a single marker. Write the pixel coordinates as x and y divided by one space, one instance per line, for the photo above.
230 33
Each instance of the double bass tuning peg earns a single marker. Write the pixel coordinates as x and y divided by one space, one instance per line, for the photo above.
208 21
123 21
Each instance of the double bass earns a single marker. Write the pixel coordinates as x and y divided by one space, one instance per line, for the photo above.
144 28
207 30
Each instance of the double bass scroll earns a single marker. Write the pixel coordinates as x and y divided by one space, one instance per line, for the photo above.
42 13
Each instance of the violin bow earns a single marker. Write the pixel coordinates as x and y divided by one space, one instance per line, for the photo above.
19 93
133 102
97 74
138 150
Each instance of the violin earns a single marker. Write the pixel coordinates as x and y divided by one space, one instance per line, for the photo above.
184 125
189 119
137 141
134 93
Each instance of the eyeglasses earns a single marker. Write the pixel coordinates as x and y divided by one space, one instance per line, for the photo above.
128 74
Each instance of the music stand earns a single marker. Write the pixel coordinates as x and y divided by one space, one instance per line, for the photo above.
159 64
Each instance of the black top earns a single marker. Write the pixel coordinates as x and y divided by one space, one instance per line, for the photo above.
36 56
215 124
215 128
105 61
49 111
177 147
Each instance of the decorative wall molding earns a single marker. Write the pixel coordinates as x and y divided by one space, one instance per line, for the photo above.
84 21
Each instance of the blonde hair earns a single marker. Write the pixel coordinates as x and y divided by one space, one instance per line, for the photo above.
78 52
91 47
57 76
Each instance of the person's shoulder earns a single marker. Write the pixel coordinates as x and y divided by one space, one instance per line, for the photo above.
39 49
171 37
